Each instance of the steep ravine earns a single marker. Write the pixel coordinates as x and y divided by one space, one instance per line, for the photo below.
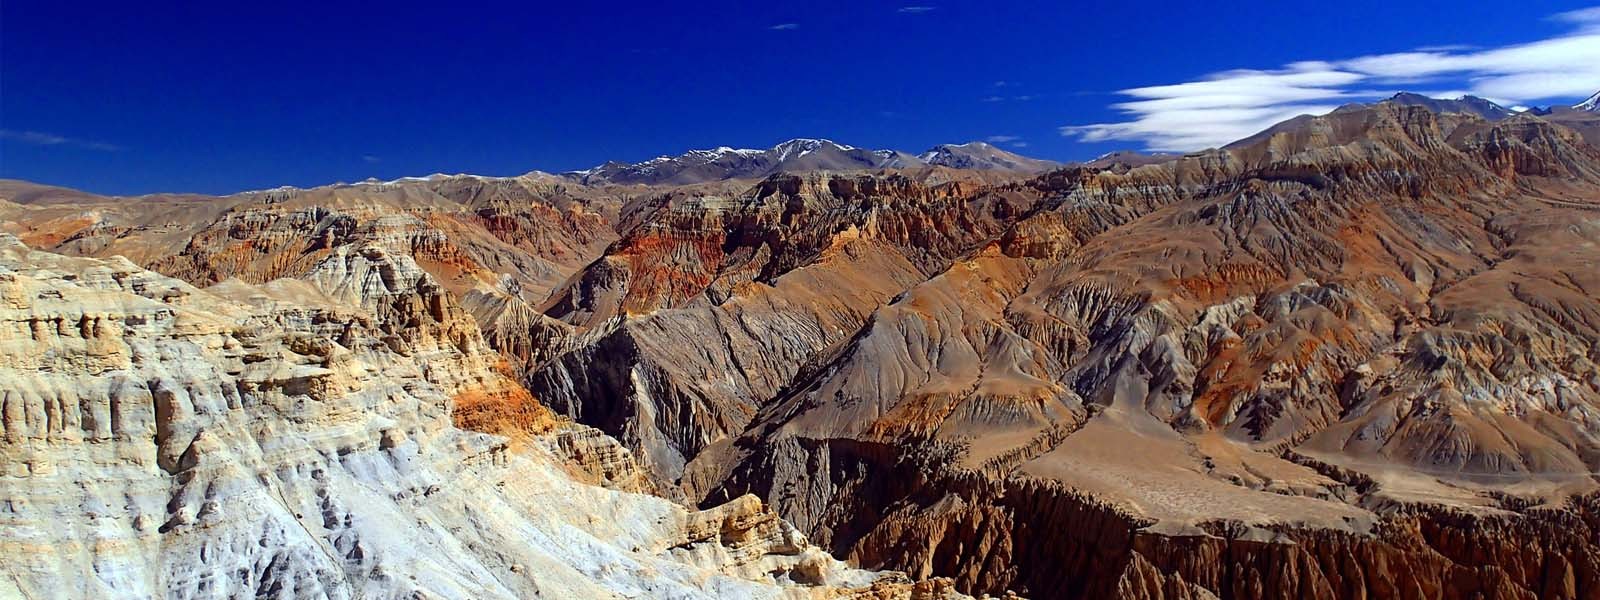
907 509
1417 316
1353 356
297 439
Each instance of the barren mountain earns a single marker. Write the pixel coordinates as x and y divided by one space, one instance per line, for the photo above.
1285 341
1583 118
1123 160
797 156
1590 105
302 438
979 155
1470 105
1351 356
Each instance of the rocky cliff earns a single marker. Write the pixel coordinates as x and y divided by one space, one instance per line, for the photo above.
1352 356
295 439
1332 360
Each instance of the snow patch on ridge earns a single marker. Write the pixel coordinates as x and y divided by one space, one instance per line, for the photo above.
1590 105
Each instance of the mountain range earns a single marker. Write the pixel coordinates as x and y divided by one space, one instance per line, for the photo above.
797 155
1351 356
1590 105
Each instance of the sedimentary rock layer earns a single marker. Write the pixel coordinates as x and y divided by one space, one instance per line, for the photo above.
1352 356
295 439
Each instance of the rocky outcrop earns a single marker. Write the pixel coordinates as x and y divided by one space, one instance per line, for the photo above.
1364 288
597 459
907 507
754 287
295 439
1351 356
497 246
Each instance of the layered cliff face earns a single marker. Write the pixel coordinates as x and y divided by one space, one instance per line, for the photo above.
1352 356
711 304
498 245
1360 337
295 439
1327 339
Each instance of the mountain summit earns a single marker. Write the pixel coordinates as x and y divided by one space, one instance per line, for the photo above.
1590 105
1471 105
798 155
1351 356
980 155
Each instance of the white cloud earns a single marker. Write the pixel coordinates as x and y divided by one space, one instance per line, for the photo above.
1002 139
37 138
785 27
371 159
915 10
1021 98
1587 19
1230 105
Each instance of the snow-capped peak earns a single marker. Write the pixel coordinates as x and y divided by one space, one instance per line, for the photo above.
1590 105
434 177
799 147
723 150
705 156
947 152
281 188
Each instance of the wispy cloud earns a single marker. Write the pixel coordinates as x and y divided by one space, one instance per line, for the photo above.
370 159
1586 19
915 10
37 138
1230 105
997 98
785 27
1002 139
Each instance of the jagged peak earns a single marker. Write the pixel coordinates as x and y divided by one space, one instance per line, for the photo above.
1465 103
1590 105
798 147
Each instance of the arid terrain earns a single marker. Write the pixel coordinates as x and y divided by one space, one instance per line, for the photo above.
1356 355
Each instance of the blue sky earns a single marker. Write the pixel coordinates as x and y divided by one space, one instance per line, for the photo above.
131 98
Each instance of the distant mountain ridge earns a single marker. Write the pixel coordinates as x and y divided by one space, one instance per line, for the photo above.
984 156
1590 105
1487 109
1471 105
796 155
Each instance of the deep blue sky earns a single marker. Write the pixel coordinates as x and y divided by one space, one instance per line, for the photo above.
134 97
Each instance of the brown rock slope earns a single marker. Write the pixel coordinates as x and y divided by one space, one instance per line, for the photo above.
1352 356
294 440
496 244
1354 352
707 308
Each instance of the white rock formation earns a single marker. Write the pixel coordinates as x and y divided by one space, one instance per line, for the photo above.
294 440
